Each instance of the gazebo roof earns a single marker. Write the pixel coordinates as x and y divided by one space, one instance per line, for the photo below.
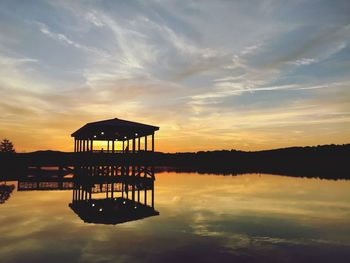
114 129
111 211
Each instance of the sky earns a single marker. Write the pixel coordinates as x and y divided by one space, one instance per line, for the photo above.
245 75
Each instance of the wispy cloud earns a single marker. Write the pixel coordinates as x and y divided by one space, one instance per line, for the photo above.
304 61
67 41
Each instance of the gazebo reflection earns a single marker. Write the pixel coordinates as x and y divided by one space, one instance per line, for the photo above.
113 194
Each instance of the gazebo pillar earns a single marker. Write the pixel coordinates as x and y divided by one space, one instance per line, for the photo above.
133 145
152 142
146 143
152 194
139 144
75 145
113 146
91 145
123 147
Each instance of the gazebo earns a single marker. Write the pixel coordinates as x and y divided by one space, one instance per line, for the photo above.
128 133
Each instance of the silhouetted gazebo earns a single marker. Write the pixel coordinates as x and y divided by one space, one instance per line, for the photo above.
128 133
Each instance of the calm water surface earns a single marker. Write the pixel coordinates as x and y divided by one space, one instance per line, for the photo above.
203 218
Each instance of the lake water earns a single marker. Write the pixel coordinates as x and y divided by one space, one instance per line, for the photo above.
203 218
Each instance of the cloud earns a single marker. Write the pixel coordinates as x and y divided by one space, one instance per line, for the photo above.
304 61
67 41
60 37
93 18
250 49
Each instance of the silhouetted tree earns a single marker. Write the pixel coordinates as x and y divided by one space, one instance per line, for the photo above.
7 146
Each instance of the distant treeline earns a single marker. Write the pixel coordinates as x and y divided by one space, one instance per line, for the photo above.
326 161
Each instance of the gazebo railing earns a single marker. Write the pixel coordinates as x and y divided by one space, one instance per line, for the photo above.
117 151
107 151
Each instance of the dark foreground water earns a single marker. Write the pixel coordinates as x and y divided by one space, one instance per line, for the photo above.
203 218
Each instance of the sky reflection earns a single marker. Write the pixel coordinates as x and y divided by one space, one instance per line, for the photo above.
202 218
